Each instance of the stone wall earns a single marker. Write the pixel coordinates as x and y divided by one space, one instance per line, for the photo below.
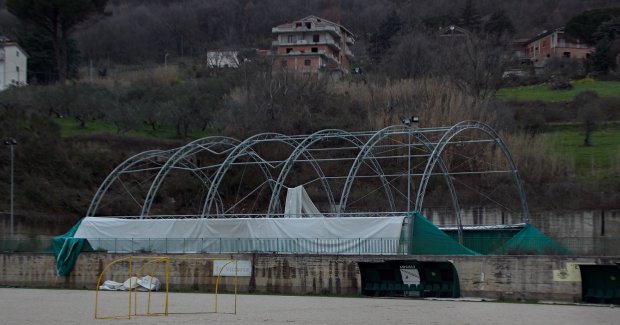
507 277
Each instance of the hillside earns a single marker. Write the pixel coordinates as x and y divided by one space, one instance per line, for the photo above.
138 80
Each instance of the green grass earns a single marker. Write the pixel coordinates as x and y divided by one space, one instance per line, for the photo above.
542 91
596 161
70 127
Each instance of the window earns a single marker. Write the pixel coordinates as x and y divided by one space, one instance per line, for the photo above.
308 25
16 53
17 68
297 24
477 214
566 54
307 62
283 63
316 38
315 50
289 49
292 39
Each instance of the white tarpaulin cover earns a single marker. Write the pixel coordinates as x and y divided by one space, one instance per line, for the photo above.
298 204
303 235
143 284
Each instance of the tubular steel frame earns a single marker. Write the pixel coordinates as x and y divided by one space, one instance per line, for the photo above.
369 149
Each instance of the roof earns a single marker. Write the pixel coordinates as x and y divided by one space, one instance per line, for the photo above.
555 30
545 33
318 21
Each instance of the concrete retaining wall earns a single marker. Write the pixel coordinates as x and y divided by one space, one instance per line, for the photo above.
508 277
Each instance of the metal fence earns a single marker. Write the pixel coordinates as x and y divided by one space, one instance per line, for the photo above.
601 246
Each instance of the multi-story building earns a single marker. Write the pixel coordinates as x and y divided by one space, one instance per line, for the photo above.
13 64
555 44
312 46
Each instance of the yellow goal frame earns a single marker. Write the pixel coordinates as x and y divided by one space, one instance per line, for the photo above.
151 260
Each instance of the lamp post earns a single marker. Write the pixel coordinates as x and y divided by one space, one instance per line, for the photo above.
408 122
11 142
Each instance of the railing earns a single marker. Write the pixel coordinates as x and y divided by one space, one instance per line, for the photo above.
587 246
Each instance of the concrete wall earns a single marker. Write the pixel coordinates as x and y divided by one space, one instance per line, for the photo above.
508 277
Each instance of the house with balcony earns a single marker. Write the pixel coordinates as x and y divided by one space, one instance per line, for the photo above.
13 64
312 46
556 44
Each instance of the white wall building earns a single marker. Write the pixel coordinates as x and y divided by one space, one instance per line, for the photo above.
222 59
13 64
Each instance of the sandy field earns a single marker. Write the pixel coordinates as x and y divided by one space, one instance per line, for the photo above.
35 306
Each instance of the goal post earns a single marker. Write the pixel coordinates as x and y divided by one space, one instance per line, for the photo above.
142 273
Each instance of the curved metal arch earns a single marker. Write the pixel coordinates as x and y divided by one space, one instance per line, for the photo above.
445 139
181 154
118 170
206 180
129 163
240 150
382 134
302 149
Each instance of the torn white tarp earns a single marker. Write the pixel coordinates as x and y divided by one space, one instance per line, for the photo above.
298 204
349 235
144 283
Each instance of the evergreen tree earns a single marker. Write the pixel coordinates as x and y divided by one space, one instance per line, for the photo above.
585 25
470 18
381 41
607 46
57 19
499 24
41 62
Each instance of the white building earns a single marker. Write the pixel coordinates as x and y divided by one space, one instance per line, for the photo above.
13 64
222 59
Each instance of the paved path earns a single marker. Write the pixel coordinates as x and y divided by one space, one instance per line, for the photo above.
63 307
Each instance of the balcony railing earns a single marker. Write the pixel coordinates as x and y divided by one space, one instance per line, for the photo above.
303 28
329 42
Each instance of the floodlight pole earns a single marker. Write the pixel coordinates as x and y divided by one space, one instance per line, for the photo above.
408 122
409 171
11 142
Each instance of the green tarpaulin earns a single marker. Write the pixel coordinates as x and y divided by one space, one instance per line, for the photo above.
66 250
530 241
484 241
427 239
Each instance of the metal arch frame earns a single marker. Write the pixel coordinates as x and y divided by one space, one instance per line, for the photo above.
302 149
447 137
219 204
181 154
120 169
370 144
240 150
129 163
231 150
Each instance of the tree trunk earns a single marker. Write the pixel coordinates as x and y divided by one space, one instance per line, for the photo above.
60 52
